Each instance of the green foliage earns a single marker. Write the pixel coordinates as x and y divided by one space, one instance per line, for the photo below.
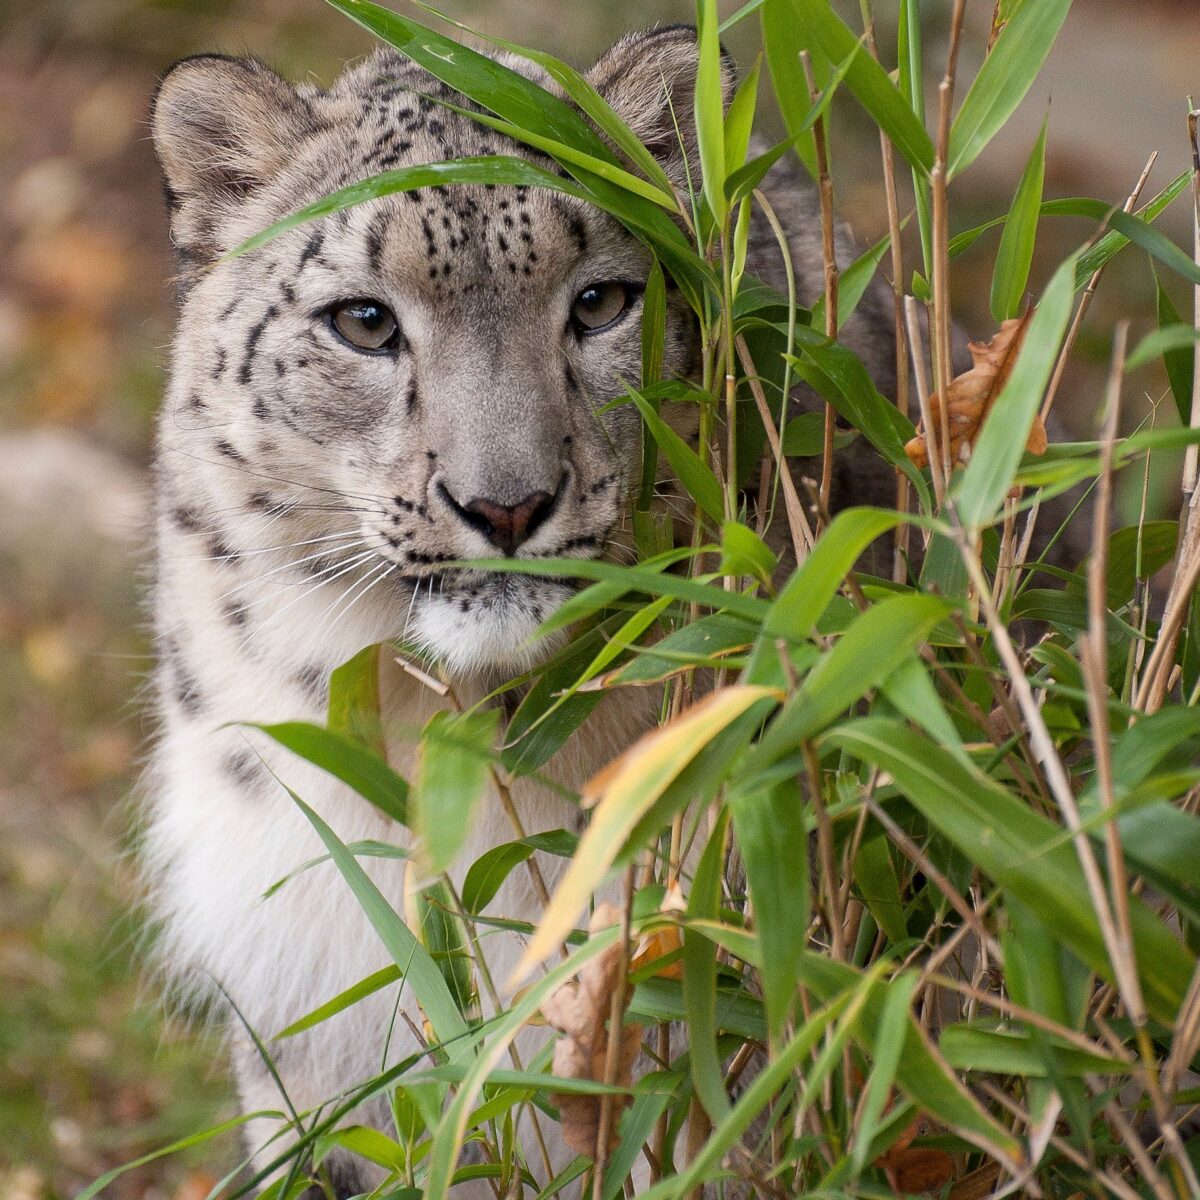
911 891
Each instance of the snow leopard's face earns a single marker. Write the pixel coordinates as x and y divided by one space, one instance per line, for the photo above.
418 380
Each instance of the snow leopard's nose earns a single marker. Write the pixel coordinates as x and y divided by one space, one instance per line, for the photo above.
506 526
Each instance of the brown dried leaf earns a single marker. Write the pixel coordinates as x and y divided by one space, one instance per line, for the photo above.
971 395
917 1169
914 1169
579 1010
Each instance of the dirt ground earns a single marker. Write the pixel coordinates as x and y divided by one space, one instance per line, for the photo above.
92 1071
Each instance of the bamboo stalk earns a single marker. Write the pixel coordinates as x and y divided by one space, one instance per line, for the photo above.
939 184
900 536
829 257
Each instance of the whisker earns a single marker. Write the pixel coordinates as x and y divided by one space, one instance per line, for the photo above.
246 470
355 562
293 562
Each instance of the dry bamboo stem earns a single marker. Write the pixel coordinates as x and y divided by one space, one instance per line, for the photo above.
939 183
916 346
829 256
798 526
612 1052
887 153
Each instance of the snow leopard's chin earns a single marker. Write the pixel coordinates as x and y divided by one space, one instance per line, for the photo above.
485 624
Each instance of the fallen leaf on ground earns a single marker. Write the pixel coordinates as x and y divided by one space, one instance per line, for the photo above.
972 394
580 1010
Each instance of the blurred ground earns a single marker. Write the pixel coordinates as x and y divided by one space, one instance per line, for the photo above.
90 1073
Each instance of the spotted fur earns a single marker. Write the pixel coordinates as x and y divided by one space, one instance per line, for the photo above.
309 495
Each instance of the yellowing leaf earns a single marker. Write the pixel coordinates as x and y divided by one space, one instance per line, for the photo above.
663 942
622 793
972 393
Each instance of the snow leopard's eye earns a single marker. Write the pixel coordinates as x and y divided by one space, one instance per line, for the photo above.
366 325
600 305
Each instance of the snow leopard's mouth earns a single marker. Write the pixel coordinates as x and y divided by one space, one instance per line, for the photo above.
476 621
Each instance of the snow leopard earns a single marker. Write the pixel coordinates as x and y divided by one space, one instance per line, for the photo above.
418 380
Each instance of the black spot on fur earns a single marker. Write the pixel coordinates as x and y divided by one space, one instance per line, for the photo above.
375 235
252 340
228 450
186 518
312 678
260 502
410 396
576 228
242 767
311 249
237 614
219 363
260 409
185 688
219 551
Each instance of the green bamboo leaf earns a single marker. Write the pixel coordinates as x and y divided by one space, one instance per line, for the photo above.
631 579
1015 255
420 971
820 28
1179 361
504 91
444 934
814 584
1011 1052
875 878
702 485
579 89
698 643
570 156
343 1000
782 45
744 179
1158 343
710 108
875 644
1113 242
743 552
347 759
372 1145
756 1097
1006 75
886 1052
1021 850
495 169
997 454
739 121
453 767
922 1073
911 73
852 283
353 708
489 871
769 826
541 724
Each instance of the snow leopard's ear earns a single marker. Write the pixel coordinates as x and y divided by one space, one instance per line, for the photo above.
649 78
222 127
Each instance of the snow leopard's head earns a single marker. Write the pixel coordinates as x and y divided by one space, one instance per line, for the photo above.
422 378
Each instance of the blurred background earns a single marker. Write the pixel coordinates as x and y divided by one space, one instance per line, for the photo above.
92 1071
